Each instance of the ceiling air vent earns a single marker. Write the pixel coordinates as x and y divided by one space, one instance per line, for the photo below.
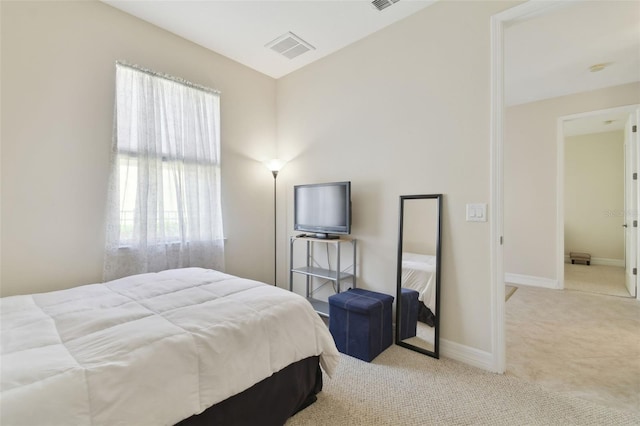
290 45
383 4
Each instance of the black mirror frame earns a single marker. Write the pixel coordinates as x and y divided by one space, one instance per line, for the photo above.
436 352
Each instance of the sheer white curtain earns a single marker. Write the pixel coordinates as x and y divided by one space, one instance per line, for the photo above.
164 192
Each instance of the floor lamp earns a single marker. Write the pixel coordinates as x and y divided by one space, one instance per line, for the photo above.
275 166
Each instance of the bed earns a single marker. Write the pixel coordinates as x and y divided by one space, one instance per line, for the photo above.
191 345
419 273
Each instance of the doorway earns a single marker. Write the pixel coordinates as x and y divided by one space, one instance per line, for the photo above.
499 24
597 154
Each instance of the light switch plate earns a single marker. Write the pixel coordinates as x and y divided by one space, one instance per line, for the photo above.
477 212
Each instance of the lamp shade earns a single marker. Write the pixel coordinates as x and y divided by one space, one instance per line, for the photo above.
275 165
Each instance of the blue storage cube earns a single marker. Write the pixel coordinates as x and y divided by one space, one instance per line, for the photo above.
360 322
408 313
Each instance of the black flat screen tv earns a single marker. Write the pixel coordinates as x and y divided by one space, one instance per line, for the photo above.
323 209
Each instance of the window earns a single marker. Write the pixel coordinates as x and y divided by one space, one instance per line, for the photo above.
165 209
171 219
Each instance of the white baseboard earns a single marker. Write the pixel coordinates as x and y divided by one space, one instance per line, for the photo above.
466 354
601 261
531 281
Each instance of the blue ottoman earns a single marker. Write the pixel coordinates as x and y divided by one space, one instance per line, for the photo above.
408 313
360 322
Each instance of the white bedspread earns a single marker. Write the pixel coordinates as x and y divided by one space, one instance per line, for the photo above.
419 273
149 349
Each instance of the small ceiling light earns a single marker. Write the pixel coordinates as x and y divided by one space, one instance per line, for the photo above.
608 122
599 67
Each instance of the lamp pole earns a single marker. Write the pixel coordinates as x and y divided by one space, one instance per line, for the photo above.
275 228
275 166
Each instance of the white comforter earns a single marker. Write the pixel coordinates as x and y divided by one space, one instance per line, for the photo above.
149 349
419 273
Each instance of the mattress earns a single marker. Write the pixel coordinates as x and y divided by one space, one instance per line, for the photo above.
149 349
419 273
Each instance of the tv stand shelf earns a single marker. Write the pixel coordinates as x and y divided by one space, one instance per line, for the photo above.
322 273
321 307
336 276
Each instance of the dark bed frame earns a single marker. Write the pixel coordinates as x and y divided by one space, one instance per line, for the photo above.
270 402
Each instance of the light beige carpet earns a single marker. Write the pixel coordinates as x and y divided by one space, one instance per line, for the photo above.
580 344
402 387
595 279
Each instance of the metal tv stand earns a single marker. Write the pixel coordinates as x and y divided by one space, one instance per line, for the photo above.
335 275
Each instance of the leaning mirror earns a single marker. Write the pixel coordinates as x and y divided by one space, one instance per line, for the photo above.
418 292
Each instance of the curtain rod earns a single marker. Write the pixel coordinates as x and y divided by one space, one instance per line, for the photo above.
168 77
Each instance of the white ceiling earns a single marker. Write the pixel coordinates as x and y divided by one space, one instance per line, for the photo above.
546 56
240 29
600 123
550 55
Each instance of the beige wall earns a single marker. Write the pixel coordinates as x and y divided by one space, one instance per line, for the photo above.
404 111
594 195
530 175
57 111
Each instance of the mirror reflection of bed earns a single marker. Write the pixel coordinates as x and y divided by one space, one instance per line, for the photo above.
418 273
418 277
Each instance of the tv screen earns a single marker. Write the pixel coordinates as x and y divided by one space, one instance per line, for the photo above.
322 208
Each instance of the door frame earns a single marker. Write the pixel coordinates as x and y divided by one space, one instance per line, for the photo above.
630 111
498 23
